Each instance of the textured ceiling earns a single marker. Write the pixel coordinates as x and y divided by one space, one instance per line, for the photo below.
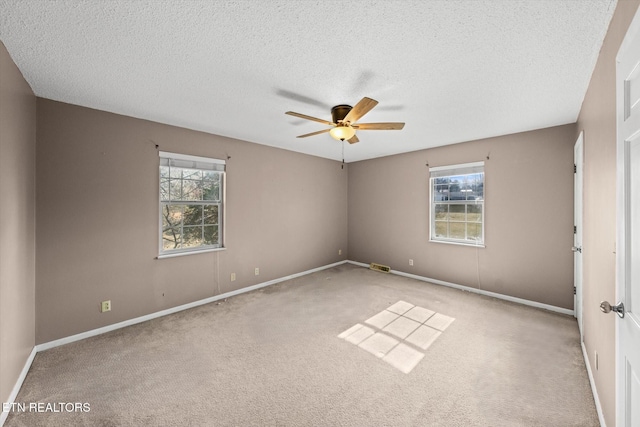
452 70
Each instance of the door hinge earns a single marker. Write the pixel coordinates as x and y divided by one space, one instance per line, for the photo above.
575 229
575 168
574 290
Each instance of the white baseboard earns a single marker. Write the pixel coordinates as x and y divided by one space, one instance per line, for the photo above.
18 385
477 291
593 386
109 328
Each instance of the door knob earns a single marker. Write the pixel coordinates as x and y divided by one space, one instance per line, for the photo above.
576 249
605 307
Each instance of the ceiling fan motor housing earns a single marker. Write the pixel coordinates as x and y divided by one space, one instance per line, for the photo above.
339 112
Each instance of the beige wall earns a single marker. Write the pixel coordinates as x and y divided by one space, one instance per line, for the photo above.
17 222
598 120
97 192
528 224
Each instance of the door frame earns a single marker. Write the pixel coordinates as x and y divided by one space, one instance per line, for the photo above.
578 218
622 217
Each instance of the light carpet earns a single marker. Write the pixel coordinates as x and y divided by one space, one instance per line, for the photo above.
273 357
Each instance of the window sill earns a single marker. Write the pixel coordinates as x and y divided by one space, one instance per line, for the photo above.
177 254
471 245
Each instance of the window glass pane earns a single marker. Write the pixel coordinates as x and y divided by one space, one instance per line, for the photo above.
477 186
441 193
191 190
164 172
192 215
175 189
441 229
211 190
172 215
164 189
466 189
165 219
474 213
454 188
457 230
211 235
441 212
211 214
175 173
456 212
474 231
171 238
193 174
192 237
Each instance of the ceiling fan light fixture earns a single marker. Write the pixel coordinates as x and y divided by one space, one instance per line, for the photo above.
342 132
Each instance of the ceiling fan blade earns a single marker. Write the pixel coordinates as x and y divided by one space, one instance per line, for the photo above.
353 139
313 133
379 126
361 108
315 119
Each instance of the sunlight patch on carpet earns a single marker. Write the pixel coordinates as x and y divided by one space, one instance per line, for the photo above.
397 334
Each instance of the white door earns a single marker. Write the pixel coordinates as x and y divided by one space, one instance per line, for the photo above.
578 156
628 229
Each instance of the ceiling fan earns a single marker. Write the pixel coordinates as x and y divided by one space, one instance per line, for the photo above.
344 118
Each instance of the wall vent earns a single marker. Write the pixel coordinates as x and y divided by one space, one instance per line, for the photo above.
379 267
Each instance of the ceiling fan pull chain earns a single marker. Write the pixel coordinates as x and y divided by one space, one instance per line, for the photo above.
342 142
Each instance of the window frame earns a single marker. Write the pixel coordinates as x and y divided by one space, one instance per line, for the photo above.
208 164
450 171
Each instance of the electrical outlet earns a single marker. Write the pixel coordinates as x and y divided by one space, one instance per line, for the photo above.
410 262
257 271
105 306
233 277
339 251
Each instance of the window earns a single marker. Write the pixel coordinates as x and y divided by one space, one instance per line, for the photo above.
191 203
457 203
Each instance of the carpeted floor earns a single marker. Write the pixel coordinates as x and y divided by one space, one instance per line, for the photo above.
273 357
